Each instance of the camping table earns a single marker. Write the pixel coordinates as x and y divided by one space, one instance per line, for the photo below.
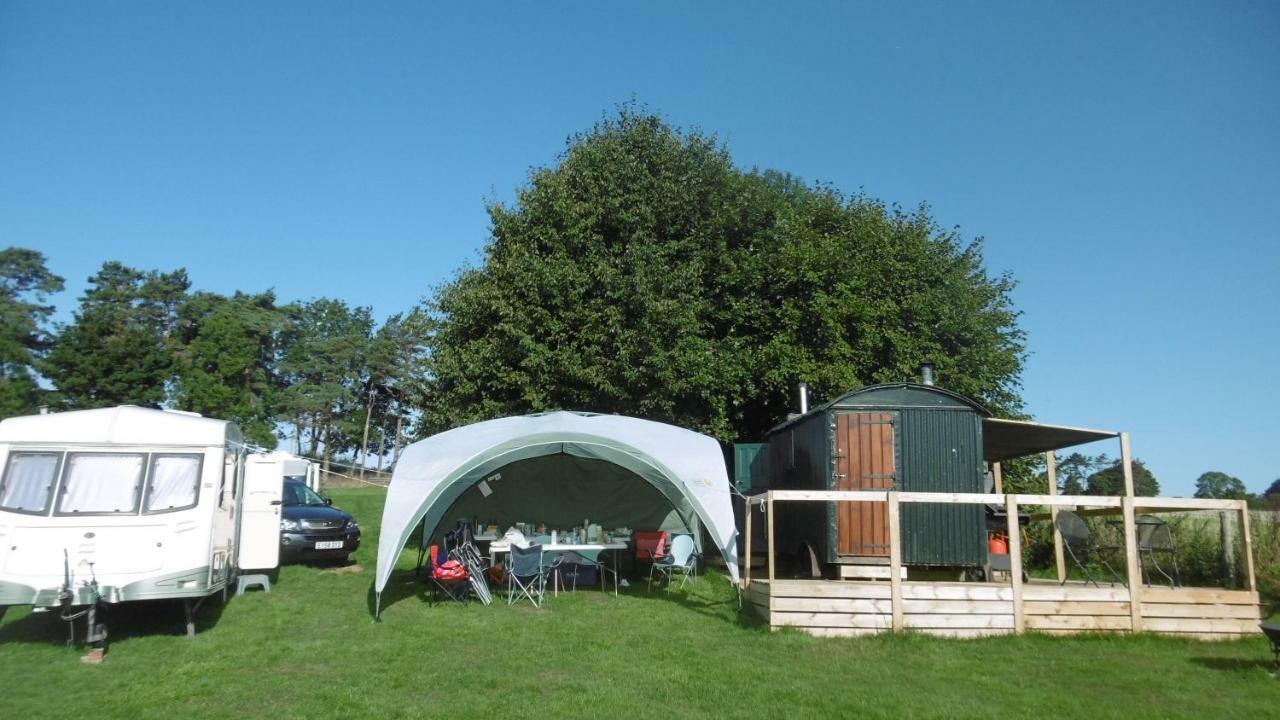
499 546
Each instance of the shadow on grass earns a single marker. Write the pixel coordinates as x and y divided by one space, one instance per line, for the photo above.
402 584
1234 664
137 619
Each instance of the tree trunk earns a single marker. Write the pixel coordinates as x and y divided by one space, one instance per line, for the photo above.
382 443
395 456
328 447
314 437
368 414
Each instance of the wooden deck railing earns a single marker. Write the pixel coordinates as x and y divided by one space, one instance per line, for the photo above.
1127 507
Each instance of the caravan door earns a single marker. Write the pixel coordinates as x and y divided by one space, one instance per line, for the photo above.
260 516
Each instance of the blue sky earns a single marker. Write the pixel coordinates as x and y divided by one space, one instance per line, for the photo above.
1122 161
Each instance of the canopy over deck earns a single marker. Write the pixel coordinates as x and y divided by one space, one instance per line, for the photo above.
1008 439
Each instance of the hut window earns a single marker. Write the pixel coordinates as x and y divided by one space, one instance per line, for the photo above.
174 483
28 481
101 483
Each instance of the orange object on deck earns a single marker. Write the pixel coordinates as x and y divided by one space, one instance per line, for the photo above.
997 544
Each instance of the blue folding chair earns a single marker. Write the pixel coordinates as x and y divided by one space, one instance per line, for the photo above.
526 578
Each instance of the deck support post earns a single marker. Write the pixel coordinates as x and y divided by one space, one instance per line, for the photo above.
769 527
1251 582
1131 561
1227 536
1015 560
746 561
998 476
1051 471
1126 464
895 560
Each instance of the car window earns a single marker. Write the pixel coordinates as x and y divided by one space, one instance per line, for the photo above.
299 494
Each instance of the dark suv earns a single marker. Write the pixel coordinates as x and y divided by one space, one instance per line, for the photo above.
311 529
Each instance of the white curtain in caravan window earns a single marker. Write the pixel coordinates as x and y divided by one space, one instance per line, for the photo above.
100 483
175 481
27 481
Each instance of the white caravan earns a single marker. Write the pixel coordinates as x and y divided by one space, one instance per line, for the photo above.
123 504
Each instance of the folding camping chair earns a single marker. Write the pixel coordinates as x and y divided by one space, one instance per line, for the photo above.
526 578
449 577
650 545
464 551
681 560
1078 539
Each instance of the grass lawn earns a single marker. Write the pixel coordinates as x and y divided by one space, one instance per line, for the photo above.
309 649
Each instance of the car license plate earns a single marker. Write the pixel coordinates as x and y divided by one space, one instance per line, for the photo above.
329 545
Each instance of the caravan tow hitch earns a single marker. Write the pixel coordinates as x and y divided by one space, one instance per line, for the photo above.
95 632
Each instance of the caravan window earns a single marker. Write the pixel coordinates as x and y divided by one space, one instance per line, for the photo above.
28 481
101 483
174 483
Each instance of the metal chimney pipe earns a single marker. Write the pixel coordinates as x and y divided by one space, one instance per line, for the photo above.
926 374
804 398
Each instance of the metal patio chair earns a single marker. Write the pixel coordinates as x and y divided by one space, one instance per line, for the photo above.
1078 539
680 559
1155 537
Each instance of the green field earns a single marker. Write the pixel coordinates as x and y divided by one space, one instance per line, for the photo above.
310 649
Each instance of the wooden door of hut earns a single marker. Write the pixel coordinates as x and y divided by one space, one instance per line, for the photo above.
864 461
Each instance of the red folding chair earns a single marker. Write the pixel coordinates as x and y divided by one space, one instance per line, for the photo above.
650 545
450 576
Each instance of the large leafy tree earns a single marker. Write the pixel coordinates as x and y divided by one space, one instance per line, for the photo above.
226 361
1110 480
391 382
1215 484
645 274
25 285
1074 470
121 345
324 348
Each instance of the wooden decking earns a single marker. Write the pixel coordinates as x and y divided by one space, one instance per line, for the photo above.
844 608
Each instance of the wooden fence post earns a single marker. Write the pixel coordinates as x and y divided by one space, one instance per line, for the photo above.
1227 535
1132 563
895 560
998 477
1015 560
1247 547
769 528
1126 464
1051 469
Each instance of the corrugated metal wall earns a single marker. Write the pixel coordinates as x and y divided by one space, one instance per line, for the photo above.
800 459
941 452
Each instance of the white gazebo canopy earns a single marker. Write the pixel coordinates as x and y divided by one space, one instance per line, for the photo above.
684 471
